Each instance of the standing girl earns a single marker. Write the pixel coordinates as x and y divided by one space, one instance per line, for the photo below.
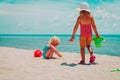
86 22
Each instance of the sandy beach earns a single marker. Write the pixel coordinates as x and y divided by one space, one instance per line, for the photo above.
19 64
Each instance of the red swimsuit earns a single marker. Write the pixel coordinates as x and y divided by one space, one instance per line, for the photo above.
86 30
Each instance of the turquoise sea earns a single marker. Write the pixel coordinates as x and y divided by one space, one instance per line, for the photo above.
111 45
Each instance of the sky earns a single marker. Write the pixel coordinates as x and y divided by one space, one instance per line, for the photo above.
55 16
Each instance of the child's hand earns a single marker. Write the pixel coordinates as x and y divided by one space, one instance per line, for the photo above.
70 40
98 36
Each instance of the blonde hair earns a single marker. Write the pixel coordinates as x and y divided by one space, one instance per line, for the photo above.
54 39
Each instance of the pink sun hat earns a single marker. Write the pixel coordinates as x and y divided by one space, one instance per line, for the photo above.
83 6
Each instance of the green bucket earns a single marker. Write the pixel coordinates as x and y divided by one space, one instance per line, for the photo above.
98 41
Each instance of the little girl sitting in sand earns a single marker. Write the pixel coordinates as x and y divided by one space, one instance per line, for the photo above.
50 48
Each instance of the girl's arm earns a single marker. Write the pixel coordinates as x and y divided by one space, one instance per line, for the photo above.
75 28
55 50
94 27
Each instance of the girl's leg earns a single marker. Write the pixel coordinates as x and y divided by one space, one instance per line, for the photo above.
92 57
88 42
49 53
82 48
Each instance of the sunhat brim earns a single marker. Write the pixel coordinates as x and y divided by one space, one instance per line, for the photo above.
78 9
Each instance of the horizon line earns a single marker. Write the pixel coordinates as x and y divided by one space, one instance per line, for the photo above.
49 34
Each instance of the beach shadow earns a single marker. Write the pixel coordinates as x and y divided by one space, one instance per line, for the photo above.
94 63
70 65
50 58
73 64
